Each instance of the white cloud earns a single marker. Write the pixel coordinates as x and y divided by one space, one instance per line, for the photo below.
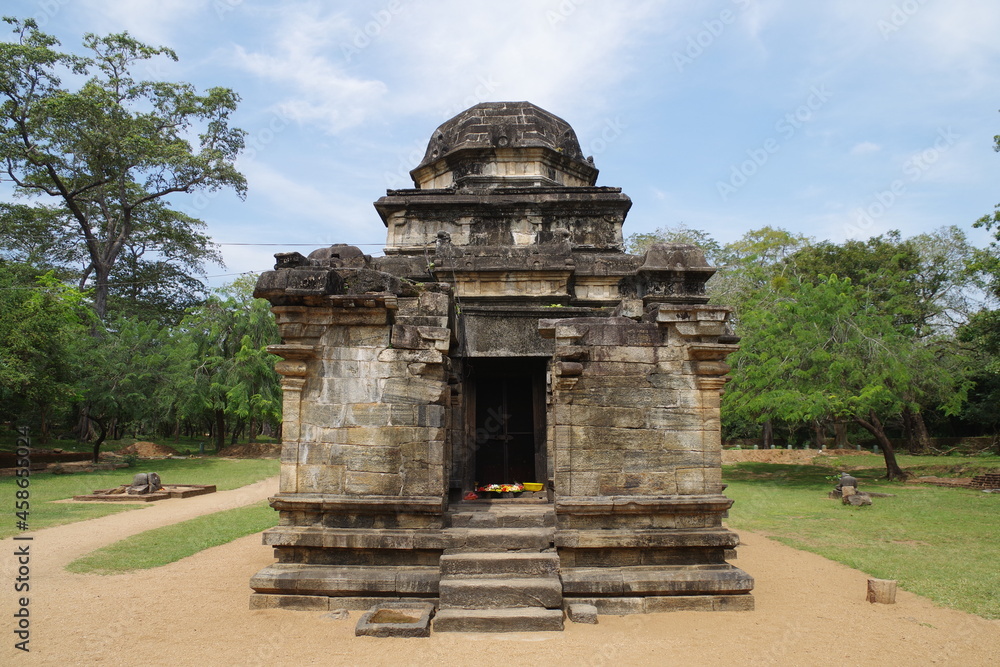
300 64
865 147
297 207
557 54
152 21
443 57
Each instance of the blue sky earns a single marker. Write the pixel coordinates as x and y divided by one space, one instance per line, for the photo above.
834 119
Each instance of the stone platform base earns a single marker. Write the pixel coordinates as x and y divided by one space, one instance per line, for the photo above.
647 605
168 491
328 603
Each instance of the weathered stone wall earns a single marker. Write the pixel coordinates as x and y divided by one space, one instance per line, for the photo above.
637 455
630 414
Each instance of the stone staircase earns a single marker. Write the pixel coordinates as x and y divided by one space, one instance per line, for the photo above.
502 573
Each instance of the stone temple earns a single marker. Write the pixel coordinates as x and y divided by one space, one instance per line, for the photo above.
505 336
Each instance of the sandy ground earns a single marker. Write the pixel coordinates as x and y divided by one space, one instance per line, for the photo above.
810 611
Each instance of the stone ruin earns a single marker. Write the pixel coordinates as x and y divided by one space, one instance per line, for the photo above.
143 483
505 336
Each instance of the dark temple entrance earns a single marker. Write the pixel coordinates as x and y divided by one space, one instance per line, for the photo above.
509 420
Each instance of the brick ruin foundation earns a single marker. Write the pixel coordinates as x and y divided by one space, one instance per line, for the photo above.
504 336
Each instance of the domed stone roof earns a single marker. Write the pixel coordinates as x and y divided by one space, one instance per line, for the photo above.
504 144
503 125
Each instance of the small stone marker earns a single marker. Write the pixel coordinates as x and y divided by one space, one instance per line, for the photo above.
582 613
882 591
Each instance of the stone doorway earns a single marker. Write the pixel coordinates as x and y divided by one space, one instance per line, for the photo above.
509 414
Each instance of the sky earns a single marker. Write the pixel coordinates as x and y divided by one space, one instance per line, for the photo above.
837 119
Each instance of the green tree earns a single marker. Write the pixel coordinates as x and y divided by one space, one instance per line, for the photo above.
42 328
124 375
111 151
812 350
235 384
922 284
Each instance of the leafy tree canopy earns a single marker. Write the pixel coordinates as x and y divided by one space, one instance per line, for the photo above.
110 151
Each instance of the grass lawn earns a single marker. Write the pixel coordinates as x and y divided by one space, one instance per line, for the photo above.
46 487
937 542
161 546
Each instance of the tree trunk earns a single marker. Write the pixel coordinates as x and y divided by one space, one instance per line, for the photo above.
100 437
43 430
767 435
819 433
220 430
252 431
839 435
918 440
874 426
237 430
101 275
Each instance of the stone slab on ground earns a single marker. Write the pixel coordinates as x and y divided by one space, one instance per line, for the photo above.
396 619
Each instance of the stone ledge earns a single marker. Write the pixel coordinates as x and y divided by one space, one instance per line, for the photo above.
623 606
656 580
356 538
316 502
603 505
604 539
345 580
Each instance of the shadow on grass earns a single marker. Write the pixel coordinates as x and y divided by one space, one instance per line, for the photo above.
780 474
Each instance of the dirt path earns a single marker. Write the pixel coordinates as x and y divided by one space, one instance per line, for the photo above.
810 611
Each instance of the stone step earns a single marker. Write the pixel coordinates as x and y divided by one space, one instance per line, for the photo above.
507 517
499 539
501 592
471 564
527 619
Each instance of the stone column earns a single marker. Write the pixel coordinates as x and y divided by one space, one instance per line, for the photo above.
638 461
364 476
